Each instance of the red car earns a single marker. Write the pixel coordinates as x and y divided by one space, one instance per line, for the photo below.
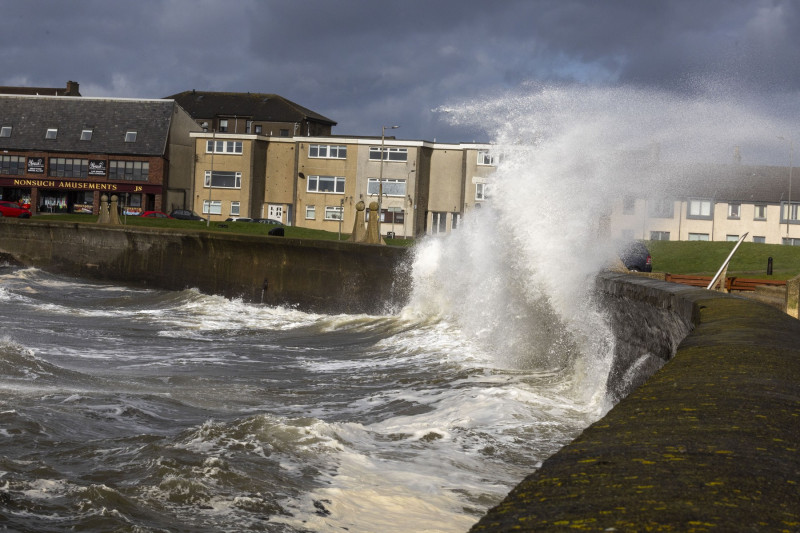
12 209
155 214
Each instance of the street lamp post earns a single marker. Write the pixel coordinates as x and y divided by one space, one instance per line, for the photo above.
380 177
211 177
341 216
791 164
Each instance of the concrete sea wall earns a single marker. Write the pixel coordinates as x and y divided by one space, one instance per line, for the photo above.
708 443
320 276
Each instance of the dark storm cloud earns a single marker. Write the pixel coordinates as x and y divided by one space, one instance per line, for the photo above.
365 64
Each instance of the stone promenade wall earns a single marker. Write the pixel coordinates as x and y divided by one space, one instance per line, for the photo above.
710 442
321 276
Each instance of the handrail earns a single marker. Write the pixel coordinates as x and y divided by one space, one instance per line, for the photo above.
725 264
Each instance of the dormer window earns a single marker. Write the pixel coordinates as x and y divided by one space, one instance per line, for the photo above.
51 134
130 136
5 131
86 135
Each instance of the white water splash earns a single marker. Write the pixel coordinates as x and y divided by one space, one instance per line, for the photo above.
517 275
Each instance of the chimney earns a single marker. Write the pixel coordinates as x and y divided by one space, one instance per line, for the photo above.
72 89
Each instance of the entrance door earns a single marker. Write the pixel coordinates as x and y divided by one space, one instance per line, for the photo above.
275 211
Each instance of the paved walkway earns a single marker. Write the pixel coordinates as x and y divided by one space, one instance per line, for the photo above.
710 443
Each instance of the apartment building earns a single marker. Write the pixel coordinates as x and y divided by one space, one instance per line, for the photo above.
714 203
270 115
318 182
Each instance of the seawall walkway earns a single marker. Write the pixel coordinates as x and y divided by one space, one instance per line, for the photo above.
711 442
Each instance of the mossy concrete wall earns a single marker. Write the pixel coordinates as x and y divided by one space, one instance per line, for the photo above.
321 276
710 442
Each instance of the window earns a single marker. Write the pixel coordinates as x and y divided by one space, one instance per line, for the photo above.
659 235
67 167
51 134
333 212
481 191
393 215
391 187
662 208
223 125
86 135
439 222
389 154
129 170
311 212
223 179
732 238
628 205
789 212
485 158
13 165
248 126
284 133
216 207
700 209
258 129
698 236
224 147
329 151
734 211
760 212
5 131
760 240
791 242
130 136
235 208
334 184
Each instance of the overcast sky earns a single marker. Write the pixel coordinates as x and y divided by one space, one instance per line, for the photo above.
368 63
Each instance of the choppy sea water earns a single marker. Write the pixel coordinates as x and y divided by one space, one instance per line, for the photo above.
147 410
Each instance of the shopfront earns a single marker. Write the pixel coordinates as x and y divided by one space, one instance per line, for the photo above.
49 195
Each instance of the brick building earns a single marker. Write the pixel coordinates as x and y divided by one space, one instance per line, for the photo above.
60 154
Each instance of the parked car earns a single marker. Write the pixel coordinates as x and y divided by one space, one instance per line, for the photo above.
636 257
271 221
238 219
155 214
13 210
185 214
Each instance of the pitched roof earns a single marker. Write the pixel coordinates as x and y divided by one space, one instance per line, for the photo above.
734 183
256 106
109 119
70 90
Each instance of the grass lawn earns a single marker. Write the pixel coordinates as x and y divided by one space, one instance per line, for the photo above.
246 228
705 258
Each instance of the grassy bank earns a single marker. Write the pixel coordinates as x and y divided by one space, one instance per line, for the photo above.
705 258
246 228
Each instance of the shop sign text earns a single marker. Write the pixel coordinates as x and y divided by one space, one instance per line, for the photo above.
36 165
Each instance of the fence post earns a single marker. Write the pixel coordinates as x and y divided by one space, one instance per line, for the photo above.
793 297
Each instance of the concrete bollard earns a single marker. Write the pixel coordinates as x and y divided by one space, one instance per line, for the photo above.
113 211
359 230
373 226
103 218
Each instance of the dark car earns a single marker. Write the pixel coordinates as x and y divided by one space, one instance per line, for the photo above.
270 221
155 214
13 210
185 214
636 257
